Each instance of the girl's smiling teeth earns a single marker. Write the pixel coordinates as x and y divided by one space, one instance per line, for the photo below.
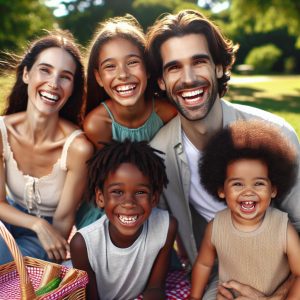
125 89
49 96
127 219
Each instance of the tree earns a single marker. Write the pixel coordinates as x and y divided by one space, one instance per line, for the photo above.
267 15
21 20
84 15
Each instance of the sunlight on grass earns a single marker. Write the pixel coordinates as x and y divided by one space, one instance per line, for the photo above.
277 94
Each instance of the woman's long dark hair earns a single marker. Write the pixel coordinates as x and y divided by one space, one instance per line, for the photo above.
18 98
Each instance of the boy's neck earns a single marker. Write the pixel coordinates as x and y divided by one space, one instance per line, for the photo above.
120 240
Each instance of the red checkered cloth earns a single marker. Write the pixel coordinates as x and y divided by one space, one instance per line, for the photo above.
177 286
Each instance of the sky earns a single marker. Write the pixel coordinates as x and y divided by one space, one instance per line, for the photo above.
61 11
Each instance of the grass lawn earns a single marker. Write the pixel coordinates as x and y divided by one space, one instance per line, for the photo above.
277 94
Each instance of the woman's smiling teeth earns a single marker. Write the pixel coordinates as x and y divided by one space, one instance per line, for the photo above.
125 90
49 96
127 219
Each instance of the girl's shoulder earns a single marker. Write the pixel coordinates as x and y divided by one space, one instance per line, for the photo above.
98 114
97 125
165 109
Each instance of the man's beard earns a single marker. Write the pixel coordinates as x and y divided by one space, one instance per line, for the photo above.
209 103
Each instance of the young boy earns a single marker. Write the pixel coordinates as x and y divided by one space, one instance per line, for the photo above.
126 252
255 244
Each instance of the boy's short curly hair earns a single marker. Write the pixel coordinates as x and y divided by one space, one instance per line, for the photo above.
253 139
115 153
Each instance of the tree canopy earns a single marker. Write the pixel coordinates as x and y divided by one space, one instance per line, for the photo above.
20 20
250 23
267 15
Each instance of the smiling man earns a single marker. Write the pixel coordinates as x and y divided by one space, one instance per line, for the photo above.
191 62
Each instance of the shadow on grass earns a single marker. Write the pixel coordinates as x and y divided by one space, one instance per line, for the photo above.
285 103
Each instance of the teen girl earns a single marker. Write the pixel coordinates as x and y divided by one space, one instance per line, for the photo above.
119 103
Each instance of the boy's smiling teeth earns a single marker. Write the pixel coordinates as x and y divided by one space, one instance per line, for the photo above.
192 94
127 219
49 96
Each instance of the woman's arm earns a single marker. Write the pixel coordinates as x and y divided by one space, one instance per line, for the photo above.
79 153
80 261
203 264
54 244
156 283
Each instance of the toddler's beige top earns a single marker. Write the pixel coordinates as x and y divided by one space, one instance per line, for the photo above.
257 258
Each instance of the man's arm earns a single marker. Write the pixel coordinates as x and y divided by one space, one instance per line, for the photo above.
249 293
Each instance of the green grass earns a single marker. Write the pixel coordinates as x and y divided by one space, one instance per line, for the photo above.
277 94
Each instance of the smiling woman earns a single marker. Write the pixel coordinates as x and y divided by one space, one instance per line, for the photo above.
50 80
44 151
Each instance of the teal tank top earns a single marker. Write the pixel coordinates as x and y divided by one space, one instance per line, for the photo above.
143 133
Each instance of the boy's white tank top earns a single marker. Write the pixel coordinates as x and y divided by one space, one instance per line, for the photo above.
122 273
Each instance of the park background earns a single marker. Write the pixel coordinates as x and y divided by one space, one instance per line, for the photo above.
267 68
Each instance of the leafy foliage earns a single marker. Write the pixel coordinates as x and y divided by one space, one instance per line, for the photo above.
20 20
263 58
267 15
84 15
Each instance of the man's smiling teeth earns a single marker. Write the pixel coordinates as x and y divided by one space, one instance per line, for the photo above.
49 96
127 219
125 89
192 94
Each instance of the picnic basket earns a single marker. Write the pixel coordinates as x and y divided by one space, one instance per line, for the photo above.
20 278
